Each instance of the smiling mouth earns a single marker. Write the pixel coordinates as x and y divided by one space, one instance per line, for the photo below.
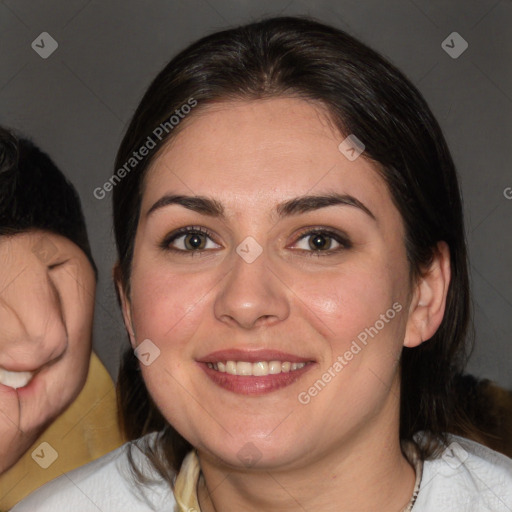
258 369
15 380
255 378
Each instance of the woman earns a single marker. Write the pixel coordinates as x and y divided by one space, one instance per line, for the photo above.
292 274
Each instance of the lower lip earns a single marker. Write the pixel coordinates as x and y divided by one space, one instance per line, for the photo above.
23 391
253 385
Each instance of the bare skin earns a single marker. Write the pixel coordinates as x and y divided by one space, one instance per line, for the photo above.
47 290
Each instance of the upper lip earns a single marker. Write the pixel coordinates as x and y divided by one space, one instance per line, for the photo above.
18 369
251 356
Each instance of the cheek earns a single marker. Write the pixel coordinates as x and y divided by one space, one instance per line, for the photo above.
77 292
79 327
76 285
80 330
341 304
168 306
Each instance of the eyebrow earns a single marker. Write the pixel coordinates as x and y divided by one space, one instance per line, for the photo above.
298 205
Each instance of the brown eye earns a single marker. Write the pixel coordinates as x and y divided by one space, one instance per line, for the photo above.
316 242
194 241
189 239
319 242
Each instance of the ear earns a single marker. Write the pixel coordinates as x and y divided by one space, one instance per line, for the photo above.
124 302
428 302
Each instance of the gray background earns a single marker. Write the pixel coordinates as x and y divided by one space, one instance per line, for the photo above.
76 103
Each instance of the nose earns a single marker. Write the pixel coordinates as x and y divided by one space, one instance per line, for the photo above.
252 295
32 329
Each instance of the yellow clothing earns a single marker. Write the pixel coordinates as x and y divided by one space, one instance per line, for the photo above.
185 486
87 430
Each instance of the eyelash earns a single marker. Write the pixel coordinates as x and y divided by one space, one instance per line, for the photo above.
342 240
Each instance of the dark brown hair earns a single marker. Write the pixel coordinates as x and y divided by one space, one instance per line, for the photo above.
364 95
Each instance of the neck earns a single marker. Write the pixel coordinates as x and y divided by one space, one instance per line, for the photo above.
365 471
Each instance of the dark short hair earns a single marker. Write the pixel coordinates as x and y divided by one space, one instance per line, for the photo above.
364 95
34 194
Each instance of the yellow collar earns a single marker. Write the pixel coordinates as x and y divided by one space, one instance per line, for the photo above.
185 486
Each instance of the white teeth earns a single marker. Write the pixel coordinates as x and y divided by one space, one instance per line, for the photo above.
274 367
259 369
15 379
231 367
243 368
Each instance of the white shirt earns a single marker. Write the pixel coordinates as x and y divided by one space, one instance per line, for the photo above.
468 477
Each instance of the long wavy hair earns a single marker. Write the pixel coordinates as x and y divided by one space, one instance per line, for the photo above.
365 95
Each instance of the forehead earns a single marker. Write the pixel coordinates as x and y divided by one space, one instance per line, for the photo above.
39 246
259 153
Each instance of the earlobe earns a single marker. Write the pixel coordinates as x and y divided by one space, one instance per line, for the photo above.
428 303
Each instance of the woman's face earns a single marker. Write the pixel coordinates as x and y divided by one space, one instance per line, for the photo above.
47 290
276 280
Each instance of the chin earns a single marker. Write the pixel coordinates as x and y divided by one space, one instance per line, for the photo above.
253 452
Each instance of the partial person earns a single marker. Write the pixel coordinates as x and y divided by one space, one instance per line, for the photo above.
57 401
